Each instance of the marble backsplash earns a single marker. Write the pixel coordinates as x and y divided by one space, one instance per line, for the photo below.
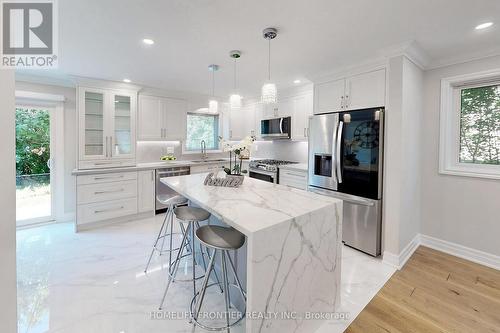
151 151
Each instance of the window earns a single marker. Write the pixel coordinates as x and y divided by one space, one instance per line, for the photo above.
480 125
470 125
202 127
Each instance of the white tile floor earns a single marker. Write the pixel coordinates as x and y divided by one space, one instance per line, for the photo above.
94 282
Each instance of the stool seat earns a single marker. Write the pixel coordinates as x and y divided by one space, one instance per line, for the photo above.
169 200
220 237
191 214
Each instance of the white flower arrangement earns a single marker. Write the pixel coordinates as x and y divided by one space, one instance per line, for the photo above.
240 150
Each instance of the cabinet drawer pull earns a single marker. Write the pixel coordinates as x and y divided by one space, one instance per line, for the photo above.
104 163
294 175
111 191
108 210
108 177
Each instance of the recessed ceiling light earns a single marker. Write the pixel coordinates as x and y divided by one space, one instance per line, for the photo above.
126 80
148 41
296 81
484 25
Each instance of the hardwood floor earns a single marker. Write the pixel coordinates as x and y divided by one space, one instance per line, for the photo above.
434 292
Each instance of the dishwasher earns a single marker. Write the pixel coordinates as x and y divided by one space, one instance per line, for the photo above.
162 189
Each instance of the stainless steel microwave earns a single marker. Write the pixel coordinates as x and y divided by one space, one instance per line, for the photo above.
276 128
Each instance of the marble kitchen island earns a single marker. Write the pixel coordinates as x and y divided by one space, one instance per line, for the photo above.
293 249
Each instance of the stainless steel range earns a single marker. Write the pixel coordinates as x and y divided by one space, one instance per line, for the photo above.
266 170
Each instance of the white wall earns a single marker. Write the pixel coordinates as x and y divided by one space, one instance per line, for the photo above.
402 155
413 95
70 138
8 299
457 209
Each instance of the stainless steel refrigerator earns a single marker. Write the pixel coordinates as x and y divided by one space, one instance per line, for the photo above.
345 161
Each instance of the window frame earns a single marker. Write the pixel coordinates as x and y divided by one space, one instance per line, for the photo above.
449 124
219 126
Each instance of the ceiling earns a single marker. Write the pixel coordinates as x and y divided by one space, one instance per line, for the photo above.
103 39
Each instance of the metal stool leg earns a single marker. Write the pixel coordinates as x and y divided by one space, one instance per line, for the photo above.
176 266
243 294
209 258
171 233
168 218
204 286
226 287
191 225
156 243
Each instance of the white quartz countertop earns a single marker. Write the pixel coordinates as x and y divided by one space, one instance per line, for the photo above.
297 167
252 207
148 166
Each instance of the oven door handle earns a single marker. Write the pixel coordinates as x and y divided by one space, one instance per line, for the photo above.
263 172
281 125
338 151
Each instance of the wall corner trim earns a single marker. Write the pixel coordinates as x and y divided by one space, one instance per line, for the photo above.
398 261
457 250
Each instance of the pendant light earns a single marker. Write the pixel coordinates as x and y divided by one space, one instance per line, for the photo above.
213 105
269 92
235 98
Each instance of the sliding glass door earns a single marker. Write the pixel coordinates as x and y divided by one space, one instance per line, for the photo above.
34 199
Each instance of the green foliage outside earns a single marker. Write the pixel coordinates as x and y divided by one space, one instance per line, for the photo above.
202 127
480 125
32 141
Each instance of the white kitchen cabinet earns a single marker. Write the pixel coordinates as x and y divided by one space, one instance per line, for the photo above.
107 196
293 178
329 96
146 191
365 90
242 122
302 110
161 118
175 118
150 118
360 91
106 127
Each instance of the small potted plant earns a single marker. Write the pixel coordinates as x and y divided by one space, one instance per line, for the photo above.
237 153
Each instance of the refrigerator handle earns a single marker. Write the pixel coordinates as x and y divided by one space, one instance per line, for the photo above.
334 157
338 151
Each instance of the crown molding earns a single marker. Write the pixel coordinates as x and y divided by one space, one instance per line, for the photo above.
411 50
495 52
368 65
46 80
105 84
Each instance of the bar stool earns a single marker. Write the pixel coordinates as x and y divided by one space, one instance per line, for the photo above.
171 203
224 240
192 216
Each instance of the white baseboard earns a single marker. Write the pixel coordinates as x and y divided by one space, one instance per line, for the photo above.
398 261
457 250
479 257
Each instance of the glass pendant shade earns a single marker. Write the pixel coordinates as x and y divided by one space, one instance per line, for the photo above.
269 93
235 101
213 106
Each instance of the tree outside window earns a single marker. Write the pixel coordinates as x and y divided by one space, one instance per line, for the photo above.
480 125
202 127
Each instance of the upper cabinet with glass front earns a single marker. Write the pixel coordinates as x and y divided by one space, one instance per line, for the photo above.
106 127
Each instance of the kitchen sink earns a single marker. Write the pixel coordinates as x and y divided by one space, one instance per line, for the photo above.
209 161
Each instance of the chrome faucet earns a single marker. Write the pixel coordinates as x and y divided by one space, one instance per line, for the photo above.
204 155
